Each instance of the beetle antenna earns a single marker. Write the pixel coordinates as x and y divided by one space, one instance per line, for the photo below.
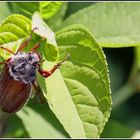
41 61
8 50
24 44
35 28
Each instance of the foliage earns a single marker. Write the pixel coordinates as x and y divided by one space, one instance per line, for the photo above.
118 28
78 94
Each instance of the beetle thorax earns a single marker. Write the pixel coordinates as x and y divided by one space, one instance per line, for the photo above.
23 66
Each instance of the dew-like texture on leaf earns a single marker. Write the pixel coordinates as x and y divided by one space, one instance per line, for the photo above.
79 93
114 24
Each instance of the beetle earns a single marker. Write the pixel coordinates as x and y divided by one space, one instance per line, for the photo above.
18 76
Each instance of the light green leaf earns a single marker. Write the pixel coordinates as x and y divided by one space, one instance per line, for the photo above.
16 27
55 22
36 125
50 48
12 30
55 11
136 135
114 24
46 9
12 46
43 28
4 11
50 52
79 93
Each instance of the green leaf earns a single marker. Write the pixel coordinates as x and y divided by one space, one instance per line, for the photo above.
36 125
114 24
48 115
15 128
75 6
79 93
51 52
12 30
55 22
50 47
46 9
16 27
4 11
57 12
24 8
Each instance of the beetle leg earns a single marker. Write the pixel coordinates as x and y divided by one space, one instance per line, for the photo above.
46 73
41 61
8 50
36 46
38 93
24 44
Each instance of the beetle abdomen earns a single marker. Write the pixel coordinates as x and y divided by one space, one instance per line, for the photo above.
13 94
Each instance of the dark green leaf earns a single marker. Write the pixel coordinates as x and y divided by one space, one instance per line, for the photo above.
46 9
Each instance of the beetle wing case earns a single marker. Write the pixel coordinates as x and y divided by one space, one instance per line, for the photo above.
13 94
